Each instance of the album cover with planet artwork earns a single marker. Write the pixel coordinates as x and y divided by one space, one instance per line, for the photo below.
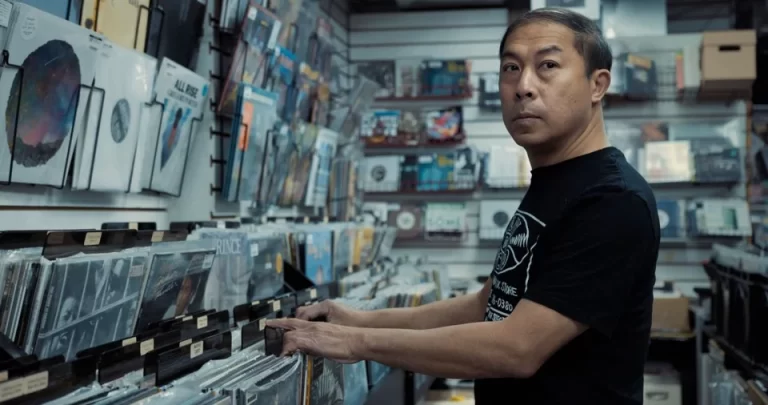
41 99
105 155
183 94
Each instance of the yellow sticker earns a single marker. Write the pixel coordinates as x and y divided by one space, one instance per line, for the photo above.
129 341
92 239
157 236
278 263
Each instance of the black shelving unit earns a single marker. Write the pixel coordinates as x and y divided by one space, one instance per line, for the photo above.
398 388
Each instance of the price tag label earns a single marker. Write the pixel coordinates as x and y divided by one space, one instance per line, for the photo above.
36 382
129 341
133 225
208 261
3 376
306 220
254 249
92 239
146 346
157 236
202 322
275 306
254 303
325 219
196 350
313 293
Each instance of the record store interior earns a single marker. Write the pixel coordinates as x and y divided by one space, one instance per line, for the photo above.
227 164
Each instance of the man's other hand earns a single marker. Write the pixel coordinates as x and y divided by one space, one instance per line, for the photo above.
331 312
321 339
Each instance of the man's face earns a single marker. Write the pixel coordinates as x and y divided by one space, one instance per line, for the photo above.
545 92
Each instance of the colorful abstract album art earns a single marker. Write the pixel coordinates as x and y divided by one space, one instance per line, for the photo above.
121 118
46 111
172 133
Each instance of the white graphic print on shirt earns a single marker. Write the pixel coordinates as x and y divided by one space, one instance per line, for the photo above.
512 267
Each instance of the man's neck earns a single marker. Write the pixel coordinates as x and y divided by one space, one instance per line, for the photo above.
591 139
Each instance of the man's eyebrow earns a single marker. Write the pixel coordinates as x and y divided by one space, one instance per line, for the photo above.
543 51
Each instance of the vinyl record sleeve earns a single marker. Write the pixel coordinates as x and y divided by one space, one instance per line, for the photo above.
258 35
320 171
382 173
90 302
382 73
266 271
668 161
227 284
495 216
108 148
257 116
183 94
56 58
175 285
343 244
670 218
319 257
407 218
179 19
123 22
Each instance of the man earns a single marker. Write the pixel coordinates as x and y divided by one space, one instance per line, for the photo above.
571 288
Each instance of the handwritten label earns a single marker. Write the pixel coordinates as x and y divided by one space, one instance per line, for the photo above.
129 341
92 239
157 236
202 322
146 346
196 350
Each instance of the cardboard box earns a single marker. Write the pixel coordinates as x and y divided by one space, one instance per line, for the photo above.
728 61
662 390
670 313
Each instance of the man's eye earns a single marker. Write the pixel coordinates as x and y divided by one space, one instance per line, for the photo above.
508 68
549 65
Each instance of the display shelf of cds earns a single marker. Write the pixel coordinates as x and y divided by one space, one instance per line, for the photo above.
419 80
433 222
411 128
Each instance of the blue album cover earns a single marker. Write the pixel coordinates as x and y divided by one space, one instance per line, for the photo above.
318 259
444 78
283 67
380 126
436 172
669 218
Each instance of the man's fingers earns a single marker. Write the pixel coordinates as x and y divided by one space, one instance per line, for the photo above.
286 323
311 312
289 344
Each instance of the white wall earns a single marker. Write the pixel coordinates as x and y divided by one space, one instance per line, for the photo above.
475 35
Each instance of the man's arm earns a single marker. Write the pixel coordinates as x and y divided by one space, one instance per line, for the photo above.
515 347
465 309
455 311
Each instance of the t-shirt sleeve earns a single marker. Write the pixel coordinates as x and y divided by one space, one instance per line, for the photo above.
592 258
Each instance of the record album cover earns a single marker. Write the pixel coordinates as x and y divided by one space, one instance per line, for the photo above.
670 218
325 378
343 244
90 302
495 216
179 19
407 218
123 22
445 220
668 162
42 99
258 35
445 125
318 261
320 172
436 172
227 284
257 113
175 285
106 153
266 275
183 94
382 72
381 173
379 127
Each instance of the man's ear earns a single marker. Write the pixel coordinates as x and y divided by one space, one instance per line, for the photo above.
600 80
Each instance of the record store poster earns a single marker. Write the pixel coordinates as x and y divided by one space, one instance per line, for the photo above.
89 303
183 95
56 57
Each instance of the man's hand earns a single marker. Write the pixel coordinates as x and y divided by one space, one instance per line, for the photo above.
322 339
331 312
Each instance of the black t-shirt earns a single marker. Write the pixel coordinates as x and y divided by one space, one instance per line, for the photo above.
584 242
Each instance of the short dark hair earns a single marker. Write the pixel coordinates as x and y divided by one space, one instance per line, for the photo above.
589 39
